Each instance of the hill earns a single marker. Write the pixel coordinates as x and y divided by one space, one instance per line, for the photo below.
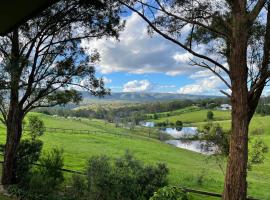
143 97
186 168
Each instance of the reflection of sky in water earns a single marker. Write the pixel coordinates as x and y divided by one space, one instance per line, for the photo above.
185 131
148 124
195 146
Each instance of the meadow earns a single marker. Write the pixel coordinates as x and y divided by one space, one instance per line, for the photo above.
187 168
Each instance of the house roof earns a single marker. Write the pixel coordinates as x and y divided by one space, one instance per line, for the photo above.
15 12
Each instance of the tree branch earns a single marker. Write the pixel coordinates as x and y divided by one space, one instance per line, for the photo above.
256 10
175 41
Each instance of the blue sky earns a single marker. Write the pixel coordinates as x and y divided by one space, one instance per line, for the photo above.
140 63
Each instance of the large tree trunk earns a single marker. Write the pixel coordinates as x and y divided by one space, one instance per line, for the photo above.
14 117
235 187
14 132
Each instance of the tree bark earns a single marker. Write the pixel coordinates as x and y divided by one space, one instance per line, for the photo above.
235 187
14 116
14 132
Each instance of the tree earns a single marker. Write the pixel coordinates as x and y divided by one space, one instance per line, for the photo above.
36 127
42 59
210 115
179 123
235 36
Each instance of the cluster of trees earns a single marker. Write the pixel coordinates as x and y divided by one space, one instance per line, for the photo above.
177 124
263 107
133 112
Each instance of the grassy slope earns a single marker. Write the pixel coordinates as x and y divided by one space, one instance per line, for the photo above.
185 166
196 116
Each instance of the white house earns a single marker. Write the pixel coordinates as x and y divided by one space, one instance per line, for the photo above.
225 107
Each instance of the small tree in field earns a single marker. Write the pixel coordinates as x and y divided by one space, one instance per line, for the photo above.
210 115
36 127
231 38
42 59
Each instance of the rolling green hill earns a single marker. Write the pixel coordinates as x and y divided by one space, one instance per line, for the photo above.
186 168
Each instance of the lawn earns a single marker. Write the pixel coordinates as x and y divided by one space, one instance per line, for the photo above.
186 167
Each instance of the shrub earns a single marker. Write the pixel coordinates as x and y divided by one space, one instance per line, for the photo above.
123 179
179 123
171 193
257 153
43 181
36 127
210 115
47 177
215 138
77 187
28 152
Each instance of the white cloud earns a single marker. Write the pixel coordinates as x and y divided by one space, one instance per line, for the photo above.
106 80
182 57
138 53
201 74
209 86
137 86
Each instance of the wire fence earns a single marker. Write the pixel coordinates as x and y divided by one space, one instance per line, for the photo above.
189 190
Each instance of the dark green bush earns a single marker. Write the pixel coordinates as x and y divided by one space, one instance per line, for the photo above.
43 181
210 115
47 177
28 152
122 179
36 127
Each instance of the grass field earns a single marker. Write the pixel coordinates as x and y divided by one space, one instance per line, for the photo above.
194 116
186 167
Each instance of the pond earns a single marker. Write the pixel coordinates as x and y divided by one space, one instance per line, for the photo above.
183 132
192 145
182 140
148 124
181 136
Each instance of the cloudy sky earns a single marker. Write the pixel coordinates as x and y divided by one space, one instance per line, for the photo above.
140 63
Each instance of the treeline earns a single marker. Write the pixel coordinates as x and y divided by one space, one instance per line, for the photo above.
263 107
136 112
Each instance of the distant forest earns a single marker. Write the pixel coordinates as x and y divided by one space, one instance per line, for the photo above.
134 111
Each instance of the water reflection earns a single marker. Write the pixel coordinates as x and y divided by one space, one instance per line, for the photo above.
194 145
181 132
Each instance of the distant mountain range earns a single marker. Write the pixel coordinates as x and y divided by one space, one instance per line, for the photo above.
143 97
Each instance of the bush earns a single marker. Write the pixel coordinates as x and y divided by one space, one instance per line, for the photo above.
179 123
210 115
215 138
122 179
28 152
257 153
170 193
36 127
47 177
43 182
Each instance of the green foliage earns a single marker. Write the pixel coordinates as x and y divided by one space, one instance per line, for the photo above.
45 179
78 187
257 153
122 179
170 193
179 123
215 136
36 126
210 115
41 182
28 152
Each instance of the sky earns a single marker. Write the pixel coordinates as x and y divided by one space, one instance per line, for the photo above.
140 63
